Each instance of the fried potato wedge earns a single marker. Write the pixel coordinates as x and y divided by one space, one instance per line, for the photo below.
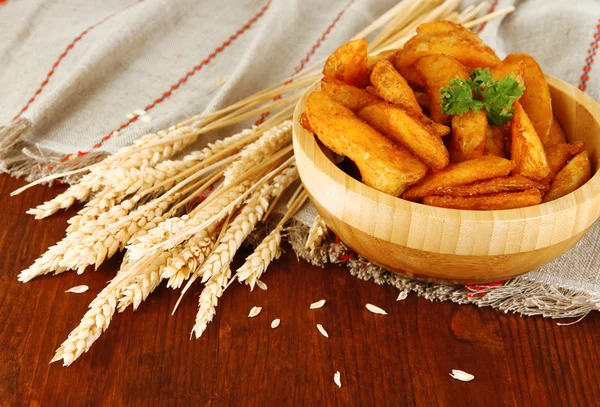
382 164
437 71
350 96
422 100
469 136
558 155
414 79
510 200
392 87
527 151
409 130
303 120
495 141
464 45
556 135
439 26
536 98
505 68
389 55
348 63
466 172
572 176
513 183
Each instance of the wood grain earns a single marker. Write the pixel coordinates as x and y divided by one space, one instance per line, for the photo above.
147 358
455 245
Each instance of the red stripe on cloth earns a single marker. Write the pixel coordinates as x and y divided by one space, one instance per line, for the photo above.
589 60
490 10
165 95
310 53
64 54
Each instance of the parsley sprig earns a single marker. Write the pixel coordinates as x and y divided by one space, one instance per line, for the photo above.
481 91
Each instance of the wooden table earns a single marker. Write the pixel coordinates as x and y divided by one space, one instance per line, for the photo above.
146 358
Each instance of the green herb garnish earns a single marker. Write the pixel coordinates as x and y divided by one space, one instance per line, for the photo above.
482 91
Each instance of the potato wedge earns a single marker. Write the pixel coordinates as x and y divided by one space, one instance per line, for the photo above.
348 63
558 155
414 79
527 151
303 120
389 55
465 46
572 176
350 96
492 202
536 98
469 136
495 141
556 135
466 172
439 26
382 164
513 183
423 100
505 68
409 130
392 87
437 71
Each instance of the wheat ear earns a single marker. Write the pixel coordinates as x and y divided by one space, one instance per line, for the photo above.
316 234
268 144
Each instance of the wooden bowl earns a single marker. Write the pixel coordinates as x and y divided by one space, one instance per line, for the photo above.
448 245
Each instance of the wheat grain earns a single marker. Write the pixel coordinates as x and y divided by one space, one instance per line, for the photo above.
375 309
94 322
175 226
269 249
186 260
256 264
268 144
316 234
209 298
96 240
143 282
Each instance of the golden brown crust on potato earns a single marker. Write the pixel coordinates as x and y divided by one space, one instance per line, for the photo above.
350 96
469 136
495 140
414 79
437 71
556 135
513 183
383 165
466 172
465 46
303 120
348 63
505 68
409 130
392 87
536 98
527 151
499 201
572 176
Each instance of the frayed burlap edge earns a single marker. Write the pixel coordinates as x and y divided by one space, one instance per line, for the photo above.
519 295
24 159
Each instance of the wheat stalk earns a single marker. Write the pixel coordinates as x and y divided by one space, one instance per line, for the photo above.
186 260
268 144
175 226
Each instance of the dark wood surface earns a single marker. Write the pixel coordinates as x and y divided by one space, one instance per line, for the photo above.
146 358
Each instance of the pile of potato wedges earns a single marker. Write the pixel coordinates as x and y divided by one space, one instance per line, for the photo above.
384 113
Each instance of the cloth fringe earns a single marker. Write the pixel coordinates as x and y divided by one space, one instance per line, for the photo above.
21 158
519 295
